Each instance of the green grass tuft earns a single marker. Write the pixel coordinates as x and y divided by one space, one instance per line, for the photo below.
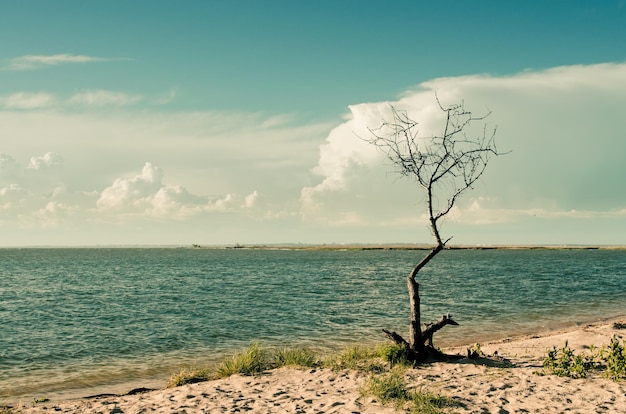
189 376
424 402
391 388
251 361
295 357
360 358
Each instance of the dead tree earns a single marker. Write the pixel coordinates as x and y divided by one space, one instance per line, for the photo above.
444 166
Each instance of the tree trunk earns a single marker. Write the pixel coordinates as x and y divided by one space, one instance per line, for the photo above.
420 344
415 328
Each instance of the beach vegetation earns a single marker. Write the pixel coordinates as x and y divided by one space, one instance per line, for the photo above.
564 362
444 166
358 357
388 387
610 360
394 354
391 388
474 351
615 357
295 357
190 376
252 360
249 362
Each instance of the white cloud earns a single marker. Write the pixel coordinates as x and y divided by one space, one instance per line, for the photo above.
132 192
48 161
30 62
561 125
146 194
345 148
235 172
28 100
251 200
98 98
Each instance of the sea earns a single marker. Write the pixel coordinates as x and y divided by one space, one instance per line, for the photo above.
82 321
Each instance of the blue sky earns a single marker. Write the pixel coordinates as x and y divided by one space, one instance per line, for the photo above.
219 122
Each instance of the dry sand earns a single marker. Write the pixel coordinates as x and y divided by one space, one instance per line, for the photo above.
479 386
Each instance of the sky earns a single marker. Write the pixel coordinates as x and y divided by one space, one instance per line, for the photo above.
221 122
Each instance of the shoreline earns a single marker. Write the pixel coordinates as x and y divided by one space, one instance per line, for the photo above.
124 380
463 380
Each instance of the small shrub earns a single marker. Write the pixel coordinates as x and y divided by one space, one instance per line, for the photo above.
474 351
564 363
298 357
615 357
251 361
394 354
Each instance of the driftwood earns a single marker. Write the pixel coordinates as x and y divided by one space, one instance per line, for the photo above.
425 349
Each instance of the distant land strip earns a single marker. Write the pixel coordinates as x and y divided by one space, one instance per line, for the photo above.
401 246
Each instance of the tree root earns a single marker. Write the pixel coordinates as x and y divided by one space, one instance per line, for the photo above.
425 350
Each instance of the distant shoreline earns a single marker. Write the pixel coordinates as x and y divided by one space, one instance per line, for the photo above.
408 247
336 246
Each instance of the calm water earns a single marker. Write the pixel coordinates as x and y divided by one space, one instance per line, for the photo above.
80 321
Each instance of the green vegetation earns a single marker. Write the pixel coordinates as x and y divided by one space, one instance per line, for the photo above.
610 360
190 376
394 354
360 358
385 363
564 363
615 357
475 351
391 388
388 387
252 360
295 357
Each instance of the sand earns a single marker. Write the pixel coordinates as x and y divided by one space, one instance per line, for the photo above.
485 385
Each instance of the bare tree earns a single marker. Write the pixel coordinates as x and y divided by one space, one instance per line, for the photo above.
444 166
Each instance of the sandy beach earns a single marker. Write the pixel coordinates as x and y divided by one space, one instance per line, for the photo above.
485 385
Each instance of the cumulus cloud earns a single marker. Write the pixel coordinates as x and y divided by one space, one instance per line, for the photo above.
31 62
48 161
345 148
559 123
132 191
251 200
146 194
